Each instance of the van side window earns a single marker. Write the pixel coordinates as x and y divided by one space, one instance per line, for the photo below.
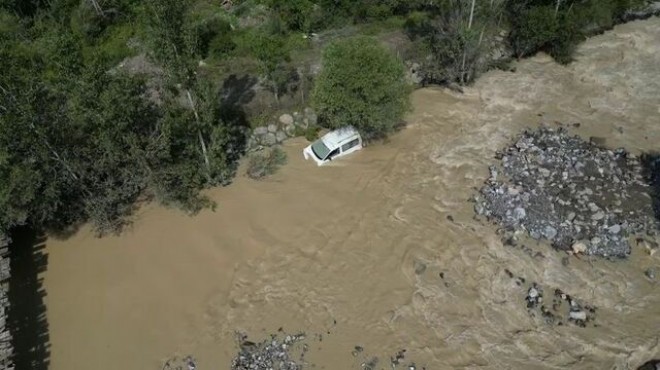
350 144
333 153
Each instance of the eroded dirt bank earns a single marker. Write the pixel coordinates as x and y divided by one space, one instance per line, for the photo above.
364 243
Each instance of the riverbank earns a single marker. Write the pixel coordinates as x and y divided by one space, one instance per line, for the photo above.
310 247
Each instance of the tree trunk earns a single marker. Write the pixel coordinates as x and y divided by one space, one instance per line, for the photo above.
200 137
463 72
471 14
557 7
97 7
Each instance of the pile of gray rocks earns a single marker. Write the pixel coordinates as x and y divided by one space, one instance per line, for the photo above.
576 194
282 128
280 352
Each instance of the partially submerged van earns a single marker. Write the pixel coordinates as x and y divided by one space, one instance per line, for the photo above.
334 144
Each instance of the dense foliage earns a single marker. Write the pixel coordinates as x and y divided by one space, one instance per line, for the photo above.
557 26
362 84
81 141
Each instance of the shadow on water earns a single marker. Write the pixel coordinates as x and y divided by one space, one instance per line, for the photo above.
651 164
27 312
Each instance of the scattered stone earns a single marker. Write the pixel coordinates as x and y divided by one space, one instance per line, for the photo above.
534 296
650 246
650 273
579 248
286 119
272 128
187 363
564 307
419 267
398 357
532 293
578 315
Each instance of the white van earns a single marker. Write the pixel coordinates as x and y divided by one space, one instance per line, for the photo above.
333 145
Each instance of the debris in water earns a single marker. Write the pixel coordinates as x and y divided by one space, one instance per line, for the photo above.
564 307
276 353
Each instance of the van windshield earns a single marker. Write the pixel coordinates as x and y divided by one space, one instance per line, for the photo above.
320 150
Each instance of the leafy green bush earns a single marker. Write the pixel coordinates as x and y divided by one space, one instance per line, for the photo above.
311 133
265 164
361 84
215 37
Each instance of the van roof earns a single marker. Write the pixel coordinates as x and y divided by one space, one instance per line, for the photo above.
334 138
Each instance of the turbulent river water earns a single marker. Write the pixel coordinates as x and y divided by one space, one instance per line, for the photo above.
347 243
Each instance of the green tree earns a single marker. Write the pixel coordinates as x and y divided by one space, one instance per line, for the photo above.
455 36
273 54
34 176
194 133
361 84
294 13
111 125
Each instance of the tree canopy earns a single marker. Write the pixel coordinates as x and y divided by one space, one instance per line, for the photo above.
361 84
82 141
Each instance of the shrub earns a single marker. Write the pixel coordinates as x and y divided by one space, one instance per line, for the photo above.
261 165
361 84
311 133
215 38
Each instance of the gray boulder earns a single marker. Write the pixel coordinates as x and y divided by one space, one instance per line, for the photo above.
290 130
269 139
261 130
286 119
272 128
280 136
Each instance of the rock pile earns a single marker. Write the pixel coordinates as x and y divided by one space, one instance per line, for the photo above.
581 197
276 353
286 126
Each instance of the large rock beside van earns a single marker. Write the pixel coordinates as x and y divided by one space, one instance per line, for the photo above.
280 136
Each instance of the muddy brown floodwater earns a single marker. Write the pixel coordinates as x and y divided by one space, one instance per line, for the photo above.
346 242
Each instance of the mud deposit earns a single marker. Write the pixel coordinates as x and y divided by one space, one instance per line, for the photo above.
382 251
